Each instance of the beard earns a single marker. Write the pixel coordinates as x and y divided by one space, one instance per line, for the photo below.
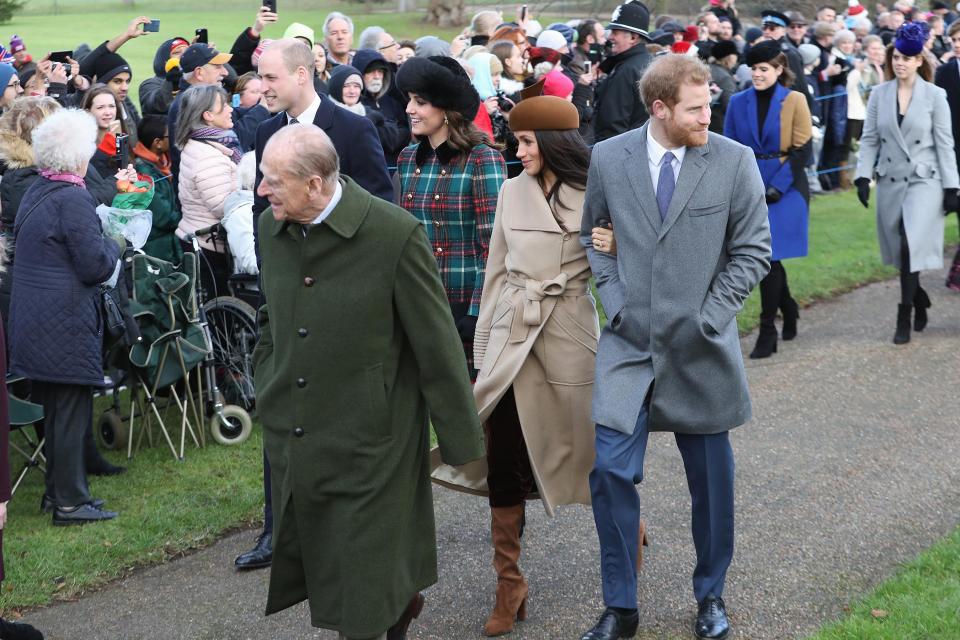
684 136
374 86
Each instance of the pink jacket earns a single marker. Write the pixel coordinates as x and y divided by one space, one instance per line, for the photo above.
207 177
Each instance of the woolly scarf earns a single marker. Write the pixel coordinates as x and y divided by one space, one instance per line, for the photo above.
63 176
226 137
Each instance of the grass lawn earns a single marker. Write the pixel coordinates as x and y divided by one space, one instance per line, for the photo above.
921 602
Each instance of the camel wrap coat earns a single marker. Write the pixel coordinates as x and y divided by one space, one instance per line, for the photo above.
537 331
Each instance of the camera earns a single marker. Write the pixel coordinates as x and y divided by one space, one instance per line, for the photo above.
503 102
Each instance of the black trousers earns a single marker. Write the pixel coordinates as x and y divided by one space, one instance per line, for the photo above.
509 475
67 415
909 282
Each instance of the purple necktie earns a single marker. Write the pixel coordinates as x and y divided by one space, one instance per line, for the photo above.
666 184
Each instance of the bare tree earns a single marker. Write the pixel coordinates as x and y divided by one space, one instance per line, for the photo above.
446 13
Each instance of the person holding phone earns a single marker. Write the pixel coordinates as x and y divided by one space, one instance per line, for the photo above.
157 93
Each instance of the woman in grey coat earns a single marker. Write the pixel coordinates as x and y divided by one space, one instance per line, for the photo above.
907 142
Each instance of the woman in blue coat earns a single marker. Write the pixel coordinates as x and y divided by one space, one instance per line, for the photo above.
775 122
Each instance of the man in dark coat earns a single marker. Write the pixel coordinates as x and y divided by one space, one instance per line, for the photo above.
617 107
157 93
287 71
347 399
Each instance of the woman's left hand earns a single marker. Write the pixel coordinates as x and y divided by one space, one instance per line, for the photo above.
491 105
604 240
3 515
951 201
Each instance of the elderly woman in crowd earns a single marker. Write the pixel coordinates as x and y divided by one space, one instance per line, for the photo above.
907 143
209 155
56 328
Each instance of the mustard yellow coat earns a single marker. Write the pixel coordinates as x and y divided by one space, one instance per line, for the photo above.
537 331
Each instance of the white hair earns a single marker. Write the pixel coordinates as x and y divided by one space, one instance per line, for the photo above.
844 35
247 171
65 141
333 15
370 38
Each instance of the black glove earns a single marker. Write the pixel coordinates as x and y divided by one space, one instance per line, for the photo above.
951 202
466 327
773 195
863 191
174 76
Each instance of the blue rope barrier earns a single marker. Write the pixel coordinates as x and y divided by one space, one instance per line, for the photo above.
831 96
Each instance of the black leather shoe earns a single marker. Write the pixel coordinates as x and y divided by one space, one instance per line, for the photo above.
613 625
47 505
712 623
81 515
105 469
399 630
259 557
18 631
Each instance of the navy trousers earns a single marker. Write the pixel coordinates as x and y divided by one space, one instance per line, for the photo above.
708 462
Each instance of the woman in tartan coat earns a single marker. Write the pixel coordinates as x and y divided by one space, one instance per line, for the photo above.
450 180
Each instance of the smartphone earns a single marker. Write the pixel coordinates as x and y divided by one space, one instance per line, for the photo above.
152 27
123 151
202 35
235 101
61 57
523 13
587 66
270 4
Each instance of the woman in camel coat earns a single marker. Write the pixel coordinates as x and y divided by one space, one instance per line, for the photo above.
535 344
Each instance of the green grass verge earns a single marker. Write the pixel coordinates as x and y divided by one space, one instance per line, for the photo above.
921 602
166 508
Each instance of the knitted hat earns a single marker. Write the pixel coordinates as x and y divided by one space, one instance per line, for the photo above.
856 9
911 37
442 82
550 39
751 34
338 77
691 33
723 49
16 44
544 113
680 47
6 73
763 52
565 30
810 53
557 84
108 65
631 16
297 30
428 46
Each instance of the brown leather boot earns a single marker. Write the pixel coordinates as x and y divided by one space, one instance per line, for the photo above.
644 542
511 585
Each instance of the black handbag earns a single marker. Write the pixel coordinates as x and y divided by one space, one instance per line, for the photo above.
114 323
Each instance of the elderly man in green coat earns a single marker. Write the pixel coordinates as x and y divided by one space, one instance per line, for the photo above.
358 354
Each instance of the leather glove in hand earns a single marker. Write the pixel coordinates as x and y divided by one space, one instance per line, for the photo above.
951 202
174 76
466 327
773 195
863 191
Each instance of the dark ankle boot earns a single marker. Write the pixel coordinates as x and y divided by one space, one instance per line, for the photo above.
902 336
921 302
18 631
953 278
767 340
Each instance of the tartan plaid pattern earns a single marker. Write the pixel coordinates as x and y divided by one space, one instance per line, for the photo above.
455 198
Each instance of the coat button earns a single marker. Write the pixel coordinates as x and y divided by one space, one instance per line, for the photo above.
439 250
308 281
436 223
302 332
436 197
417 172
301 382
298 432
905 179
443 172
883 139
409 196
917 142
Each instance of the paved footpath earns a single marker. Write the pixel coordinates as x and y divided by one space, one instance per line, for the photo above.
847 470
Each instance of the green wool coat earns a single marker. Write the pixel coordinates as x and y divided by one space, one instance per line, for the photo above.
358 354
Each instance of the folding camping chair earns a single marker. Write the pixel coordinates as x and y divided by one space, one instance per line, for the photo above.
164 307
23 414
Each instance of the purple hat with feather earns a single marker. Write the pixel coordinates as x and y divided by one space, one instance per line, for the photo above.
911 38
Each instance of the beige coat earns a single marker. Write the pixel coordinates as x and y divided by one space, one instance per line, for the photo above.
537 331
207 177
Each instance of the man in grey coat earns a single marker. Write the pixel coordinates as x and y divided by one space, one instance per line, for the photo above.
688 212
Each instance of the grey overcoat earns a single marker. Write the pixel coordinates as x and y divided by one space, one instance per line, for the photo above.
674 288
914 163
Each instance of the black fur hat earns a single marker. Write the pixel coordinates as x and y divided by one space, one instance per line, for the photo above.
442 82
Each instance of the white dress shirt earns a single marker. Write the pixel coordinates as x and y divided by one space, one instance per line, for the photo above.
309 114
655 153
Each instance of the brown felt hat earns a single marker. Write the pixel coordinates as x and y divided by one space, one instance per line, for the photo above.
544 113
